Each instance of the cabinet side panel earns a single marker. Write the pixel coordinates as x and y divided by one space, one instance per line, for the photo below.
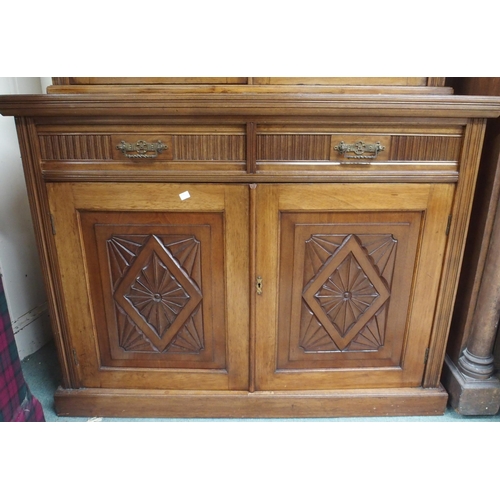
40 212
462 206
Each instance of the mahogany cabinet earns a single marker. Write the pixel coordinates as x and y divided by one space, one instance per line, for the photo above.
249 253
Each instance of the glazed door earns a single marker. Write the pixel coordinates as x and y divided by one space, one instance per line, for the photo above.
155 280
350 275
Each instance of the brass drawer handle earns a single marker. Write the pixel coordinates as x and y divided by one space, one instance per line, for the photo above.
360 150
141 149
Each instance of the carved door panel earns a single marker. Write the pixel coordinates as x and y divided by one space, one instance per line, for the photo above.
351 274
153 283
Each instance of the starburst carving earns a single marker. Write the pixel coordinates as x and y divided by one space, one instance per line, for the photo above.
370 337
346 295
159 296
346 292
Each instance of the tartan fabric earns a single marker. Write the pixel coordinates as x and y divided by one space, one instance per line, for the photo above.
17 404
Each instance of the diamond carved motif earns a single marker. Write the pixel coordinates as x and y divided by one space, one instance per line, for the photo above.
346 293
157 294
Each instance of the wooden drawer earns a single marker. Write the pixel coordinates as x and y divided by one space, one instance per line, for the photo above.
333 149
137 148
340 151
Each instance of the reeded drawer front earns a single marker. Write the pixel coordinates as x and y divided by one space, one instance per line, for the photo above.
349 152
132 147
376 152
352 148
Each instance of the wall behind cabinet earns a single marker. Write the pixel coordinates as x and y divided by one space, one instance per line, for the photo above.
19 262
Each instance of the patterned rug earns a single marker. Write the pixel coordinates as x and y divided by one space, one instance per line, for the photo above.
17 404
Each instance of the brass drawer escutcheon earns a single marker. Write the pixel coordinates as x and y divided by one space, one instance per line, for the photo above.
141 149
258 285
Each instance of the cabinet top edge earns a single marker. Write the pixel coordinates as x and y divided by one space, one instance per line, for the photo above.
249 104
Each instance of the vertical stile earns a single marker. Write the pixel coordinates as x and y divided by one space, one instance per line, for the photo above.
253 271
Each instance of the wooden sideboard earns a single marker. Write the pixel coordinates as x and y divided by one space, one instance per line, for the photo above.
240 252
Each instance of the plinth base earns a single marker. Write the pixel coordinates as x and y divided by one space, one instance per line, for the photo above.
469 396
217 404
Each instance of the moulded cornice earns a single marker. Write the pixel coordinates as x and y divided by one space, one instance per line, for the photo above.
257 104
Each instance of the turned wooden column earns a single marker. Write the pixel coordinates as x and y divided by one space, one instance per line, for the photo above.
477 359
469 371
472 384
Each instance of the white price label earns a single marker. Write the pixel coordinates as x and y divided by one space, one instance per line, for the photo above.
185 195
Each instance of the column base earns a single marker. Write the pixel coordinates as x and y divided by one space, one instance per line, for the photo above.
476 367
469 396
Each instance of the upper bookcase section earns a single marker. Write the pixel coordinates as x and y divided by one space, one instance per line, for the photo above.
342 85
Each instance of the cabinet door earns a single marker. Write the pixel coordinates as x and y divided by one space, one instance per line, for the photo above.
154 279
350 276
